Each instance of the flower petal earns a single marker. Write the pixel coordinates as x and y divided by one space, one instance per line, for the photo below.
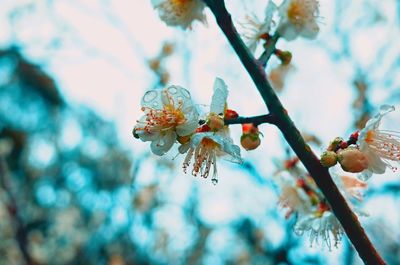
152 99
187 128
219 97
163 144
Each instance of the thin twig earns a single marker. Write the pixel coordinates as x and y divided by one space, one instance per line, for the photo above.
320 174
256 120
269 49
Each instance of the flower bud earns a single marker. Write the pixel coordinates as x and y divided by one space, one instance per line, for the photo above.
352 160
250 141
231 114
250 138
284 56
329 159
334 144
249 128
216 122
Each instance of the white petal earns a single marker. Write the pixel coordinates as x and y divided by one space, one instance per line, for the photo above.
152 99
384 109
269 12
155 3
374 122
288 32
310 30
365 175
234 152
219 97
163 144
184 148
375 163
187 128
145 136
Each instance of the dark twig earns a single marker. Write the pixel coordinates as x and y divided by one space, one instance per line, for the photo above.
320 174
256 120
269 49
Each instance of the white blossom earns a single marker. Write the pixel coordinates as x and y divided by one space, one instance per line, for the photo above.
169 113
298 18
381 147
254 30
321 229
206 145
180 13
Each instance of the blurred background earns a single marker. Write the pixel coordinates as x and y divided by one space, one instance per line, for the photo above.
77 188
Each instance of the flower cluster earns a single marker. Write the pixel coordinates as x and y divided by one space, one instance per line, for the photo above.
302 198
369 151
181 13
171 117
296 18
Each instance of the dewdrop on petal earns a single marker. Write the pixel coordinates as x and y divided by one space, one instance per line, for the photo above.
207 144
168 114
180 13
352 160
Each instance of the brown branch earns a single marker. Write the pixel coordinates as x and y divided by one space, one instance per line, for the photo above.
256 120
339 206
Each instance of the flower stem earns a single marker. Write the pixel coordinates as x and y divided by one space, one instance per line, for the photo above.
269 49
256 120
339 206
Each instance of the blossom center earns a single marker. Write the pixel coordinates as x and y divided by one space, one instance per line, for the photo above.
179 6
370 136
300 12
164 119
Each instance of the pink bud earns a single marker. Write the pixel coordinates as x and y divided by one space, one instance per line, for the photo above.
352 160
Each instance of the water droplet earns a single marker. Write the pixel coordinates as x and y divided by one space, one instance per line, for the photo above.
185 93
214 181
149 96
172 90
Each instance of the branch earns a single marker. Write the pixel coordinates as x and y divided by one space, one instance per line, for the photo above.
339 206
269 49
256 120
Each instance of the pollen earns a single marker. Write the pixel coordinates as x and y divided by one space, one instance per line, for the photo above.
302 11
385 143
164 119
370 136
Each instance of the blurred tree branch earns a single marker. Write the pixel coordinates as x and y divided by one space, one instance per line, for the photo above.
21 233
